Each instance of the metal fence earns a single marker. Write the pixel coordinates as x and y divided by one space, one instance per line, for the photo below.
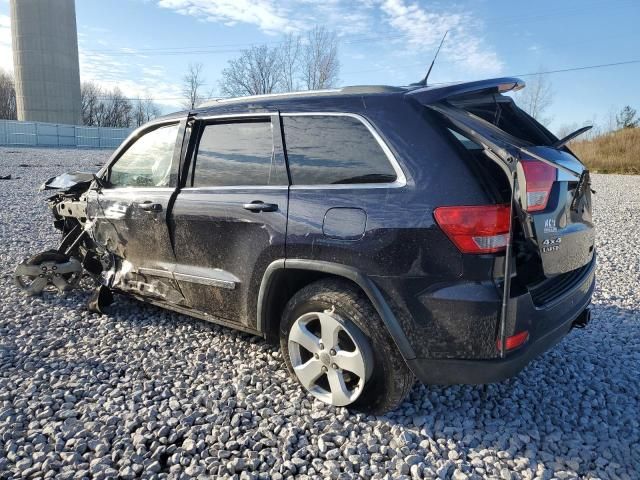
39 134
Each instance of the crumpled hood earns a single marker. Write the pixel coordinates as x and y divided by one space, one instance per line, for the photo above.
70 182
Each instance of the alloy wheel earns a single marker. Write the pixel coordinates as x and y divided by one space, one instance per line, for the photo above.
47 275
330 357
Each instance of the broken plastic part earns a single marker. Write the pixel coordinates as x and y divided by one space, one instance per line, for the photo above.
100 299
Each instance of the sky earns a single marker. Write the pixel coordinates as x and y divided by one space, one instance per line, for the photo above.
145 46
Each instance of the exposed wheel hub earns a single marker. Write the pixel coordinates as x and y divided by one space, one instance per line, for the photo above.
325 358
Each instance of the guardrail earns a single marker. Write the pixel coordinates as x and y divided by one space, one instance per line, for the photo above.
40 134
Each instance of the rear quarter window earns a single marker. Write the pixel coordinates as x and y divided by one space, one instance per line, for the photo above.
329 150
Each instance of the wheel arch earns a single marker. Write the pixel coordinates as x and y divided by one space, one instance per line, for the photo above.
274 293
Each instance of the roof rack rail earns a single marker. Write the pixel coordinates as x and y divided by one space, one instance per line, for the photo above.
350 90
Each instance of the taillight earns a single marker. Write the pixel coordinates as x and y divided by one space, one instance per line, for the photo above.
513 341
539 178
476 228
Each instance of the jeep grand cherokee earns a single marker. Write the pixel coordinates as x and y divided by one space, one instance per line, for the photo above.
368 230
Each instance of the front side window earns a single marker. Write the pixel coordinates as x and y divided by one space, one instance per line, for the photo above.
148 161
325 150
234 154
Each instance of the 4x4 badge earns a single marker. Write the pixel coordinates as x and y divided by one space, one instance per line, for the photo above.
551 244
552 241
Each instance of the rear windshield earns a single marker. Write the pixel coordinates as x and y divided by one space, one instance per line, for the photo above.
503 112
487 172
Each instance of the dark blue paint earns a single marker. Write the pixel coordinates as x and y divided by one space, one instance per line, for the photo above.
445 304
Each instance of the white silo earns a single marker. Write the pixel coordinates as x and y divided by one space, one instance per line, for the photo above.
45 59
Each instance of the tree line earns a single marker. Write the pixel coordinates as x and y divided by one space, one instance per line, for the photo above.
100 107
8 107
299 62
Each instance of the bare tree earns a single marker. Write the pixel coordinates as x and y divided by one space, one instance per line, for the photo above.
320 65
192 84
312 63
256 71
536 98
110 108
143 111
290 53
8 108
91 103
627 118
118 111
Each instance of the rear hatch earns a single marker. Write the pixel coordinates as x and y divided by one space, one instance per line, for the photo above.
551 187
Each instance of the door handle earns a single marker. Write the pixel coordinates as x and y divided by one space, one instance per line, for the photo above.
149 206
260 206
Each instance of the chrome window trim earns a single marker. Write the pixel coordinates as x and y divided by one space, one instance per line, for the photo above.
235 187
401 179
137 189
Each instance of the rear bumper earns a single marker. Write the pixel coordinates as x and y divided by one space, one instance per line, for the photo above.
547 326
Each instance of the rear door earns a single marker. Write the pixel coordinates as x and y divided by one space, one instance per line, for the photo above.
552 193
230 219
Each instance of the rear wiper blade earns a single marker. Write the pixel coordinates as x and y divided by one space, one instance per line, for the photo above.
563 141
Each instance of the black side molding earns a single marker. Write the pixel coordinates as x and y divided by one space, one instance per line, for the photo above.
363 281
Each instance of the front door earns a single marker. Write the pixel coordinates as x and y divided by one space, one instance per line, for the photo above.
130 213
230 219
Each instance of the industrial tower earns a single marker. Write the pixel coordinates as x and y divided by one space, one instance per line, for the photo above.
45 60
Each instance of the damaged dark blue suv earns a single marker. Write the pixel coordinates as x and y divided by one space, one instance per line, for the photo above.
368 230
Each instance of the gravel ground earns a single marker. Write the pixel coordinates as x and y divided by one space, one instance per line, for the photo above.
144 392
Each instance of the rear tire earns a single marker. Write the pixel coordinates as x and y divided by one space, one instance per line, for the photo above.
382 379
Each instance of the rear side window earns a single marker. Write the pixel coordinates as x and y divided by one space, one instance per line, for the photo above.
234 154
326 150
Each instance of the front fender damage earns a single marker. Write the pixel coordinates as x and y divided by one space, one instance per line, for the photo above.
93 238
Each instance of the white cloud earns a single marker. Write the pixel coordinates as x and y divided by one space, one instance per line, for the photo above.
6 53
420 27
134 79
269 16
131 73
423 29
276 17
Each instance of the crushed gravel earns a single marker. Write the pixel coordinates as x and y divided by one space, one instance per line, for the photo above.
145 392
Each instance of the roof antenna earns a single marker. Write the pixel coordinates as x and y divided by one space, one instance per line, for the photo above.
423 82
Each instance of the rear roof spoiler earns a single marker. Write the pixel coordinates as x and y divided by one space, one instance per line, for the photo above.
433 94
